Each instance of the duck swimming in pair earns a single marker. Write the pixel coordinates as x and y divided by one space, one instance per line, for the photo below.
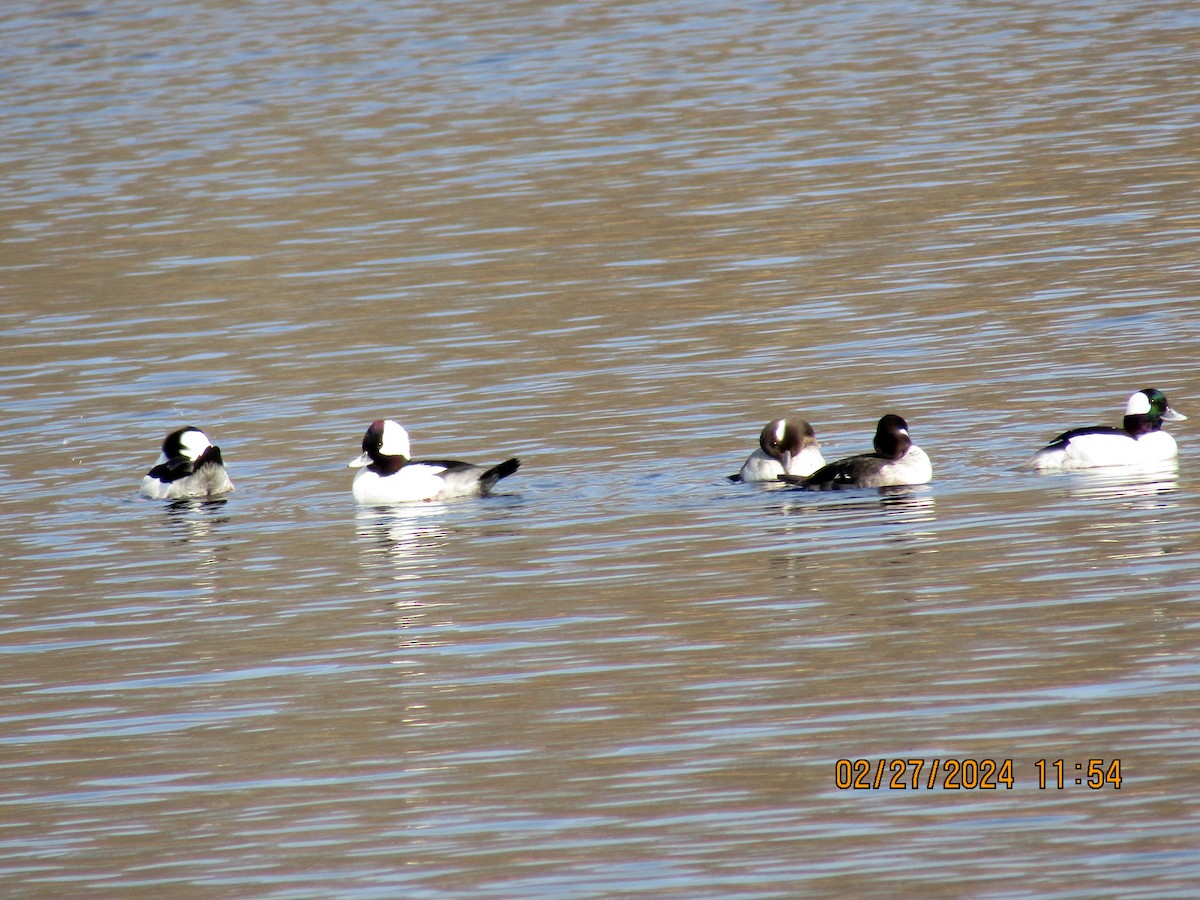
388 474
786 447
896 461
1139 441
189 467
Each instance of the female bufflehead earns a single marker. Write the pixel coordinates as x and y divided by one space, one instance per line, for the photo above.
786 447
388 475
190 466
896 461
1140 440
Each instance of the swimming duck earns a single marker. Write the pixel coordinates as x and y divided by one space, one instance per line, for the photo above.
388 475
786 447
896 461
1139 441
189 466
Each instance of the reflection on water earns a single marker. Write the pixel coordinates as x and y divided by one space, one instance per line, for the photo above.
200 526
1149 493
907 502
190 520
907 513
396 542
831 537
401 547
1145 487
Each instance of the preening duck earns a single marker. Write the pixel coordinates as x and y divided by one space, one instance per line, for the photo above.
190 466
785 447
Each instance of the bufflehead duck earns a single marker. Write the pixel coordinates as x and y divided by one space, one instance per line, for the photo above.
896 461
1140 440
786 447
189 466
388 475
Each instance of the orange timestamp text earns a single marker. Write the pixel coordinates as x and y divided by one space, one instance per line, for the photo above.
919 773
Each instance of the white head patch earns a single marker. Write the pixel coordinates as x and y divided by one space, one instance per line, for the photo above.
193 443
394 441
780 430
1139 404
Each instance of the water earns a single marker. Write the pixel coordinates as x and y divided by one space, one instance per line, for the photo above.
613 239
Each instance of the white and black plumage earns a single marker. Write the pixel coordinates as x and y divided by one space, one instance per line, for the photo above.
189 467
786 447
896 461
1140 441
387 474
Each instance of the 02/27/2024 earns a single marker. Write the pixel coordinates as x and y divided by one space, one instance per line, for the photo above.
915 773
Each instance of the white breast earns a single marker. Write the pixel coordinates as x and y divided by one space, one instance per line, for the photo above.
761 467
1157 446
411 484
1090 451
913 467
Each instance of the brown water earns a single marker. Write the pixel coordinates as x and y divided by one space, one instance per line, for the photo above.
615 239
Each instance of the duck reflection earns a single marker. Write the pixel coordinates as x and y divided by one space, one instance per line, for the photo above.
893 527
1140 487
403 539
192 520
1144 530
401 548
910 504
198 524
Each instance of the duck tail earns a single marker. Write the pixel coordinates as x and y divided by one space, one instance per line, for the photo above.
495 473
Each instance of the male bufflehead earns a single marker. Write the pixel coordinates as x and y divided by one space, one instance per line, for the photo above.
388 475
786 447
896 461
189 466
1140 440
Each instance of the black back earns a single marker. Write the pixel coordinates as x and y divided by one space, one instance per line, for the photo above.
179 466
1067 436
891 443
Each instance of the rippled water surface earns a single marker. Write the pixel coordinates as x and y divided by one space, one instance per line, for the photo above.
614 239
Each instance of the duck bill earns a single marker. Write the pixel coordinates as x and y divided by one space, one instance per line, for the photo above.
1171 416
364 460
787 461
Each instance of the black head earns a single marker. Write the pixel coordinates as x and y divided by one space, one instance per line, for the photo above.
1158 402
373 439
891 437
385 447
1147 410
1160 409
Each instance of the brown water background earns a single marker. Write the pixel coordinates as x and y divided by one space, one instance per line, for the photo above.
614 239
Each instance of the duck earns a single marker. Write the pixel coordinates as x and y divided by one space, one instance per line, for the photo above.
897 461
189 467
1139 441
387 473
786 447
